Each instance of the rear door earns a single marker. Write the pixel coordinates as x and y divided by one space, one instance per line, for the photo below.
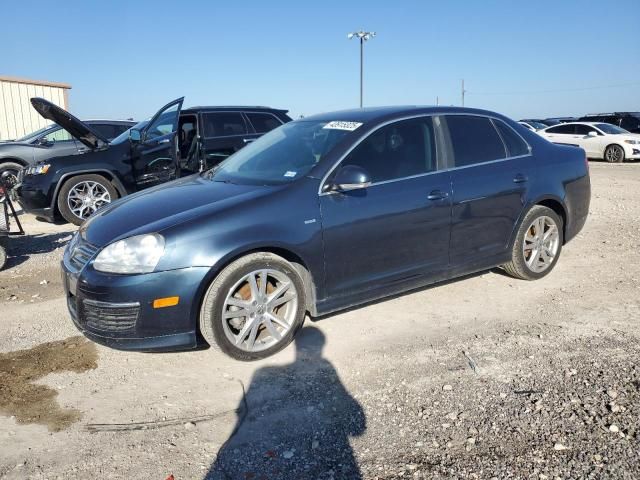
492 168
223 134
154 156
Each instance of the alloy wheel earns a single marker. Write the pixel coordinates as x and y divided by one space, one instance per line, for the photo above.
541 244
614 154
259 310
85 198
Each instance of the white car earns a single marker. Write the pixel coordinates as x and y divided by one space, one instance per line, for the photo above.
532 125
599 140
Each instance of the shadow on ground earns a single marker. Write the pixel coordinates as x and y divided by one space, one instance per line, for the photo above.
21 248
294 421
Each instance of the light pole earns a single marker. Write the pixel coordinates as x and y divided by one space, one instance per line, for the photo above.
363 36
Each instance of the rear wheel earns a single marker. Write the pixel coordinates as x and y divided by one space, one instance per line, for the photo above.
614 154
254 307
537 246
83 195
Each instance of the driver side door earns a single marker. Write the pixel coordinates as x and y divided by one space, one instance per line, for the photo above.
155 155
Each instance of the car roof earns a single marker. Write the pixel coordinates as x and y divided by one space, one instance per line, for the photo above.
232 108
373 114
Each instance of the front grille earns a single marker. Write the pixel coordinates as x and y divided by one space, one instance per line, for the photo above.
109 317
81 253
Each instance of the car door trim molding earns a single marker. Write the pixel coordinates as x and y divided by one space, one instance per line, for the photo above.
446 169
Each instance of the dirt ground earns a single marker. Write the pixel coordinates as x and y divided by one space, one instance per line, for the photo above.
484 377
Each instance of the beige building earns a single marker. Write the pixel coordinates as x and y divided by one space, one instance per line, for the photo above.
17 116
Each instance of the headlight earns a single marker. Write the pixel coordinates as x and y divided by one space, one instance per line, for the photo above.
632 142
139 254
40 169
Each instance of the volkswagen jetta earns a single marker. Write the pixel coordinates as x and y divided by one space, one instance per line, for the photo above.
318 215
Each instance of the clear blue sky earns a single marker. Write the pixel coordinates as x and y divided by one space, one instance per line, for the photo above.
126 59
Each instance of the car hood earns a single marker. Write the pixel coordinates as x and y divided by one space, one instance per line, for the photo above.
78 129
165 206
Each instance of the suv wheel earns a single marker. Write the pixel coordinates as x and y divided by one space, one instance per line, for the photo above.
537 246
83 195
254 307
614 154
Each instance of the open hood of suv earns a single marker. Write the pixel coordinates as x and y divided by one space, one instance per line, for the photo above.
71 124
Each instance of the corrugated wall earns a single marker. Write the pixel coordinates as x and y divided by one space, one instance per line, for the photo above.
17 116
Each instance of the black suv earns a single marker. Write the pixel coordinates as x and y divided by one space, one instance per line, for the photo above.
50 141
173 143
630 121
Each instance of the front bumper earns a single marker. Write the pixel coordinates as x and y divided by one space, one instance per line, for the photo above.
34 197
117 310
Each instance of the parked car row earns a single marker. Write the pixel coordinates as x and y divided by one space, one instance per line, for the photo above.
629 121
75 178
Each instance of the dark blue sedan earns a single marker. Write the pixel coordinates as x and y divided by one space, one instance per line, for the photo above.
319 215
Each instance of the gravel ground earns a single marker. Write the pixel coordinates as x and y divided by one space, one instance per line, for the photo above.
485 377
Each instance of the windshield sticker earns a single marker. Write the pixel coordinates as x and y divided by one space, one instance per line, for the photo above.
290 174
338 125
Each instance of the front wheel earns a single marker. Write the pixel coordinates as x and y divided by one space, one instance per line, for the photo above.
82 196
537 245
614 154
254 307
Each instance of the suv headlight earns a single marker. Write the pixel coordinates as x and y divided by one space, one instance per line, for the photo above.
632 142
40 169
139 254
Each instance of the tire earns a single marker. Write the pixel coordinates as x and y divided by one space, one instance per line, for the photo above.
522 265
3 255
13 169
72 190
614 154
222 323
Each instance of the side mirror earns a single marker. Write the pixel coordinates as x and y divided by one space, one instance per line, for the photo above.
351 177
44 141
592 134
135 135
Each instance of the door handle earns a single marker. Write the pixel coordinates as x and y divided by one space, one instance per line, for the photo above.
248 140
437 195
165 140
520 178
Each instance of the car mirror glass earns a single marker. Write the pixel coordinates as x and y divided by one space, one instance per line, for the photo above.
135 135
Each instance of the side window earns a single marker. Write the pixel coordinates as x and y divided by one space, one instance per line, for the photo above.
584 130
223 124
164 124
565 129
630 123
263 122
59 135
398 150
474 140
515 144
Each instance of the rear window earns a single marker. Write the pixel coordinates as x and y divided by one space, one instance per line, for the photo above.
515 144
263 122
223 124
474 140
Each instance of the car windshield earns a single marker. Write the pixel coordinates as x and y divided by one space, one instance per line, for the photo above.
282 155
124 136
611 129
33 135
